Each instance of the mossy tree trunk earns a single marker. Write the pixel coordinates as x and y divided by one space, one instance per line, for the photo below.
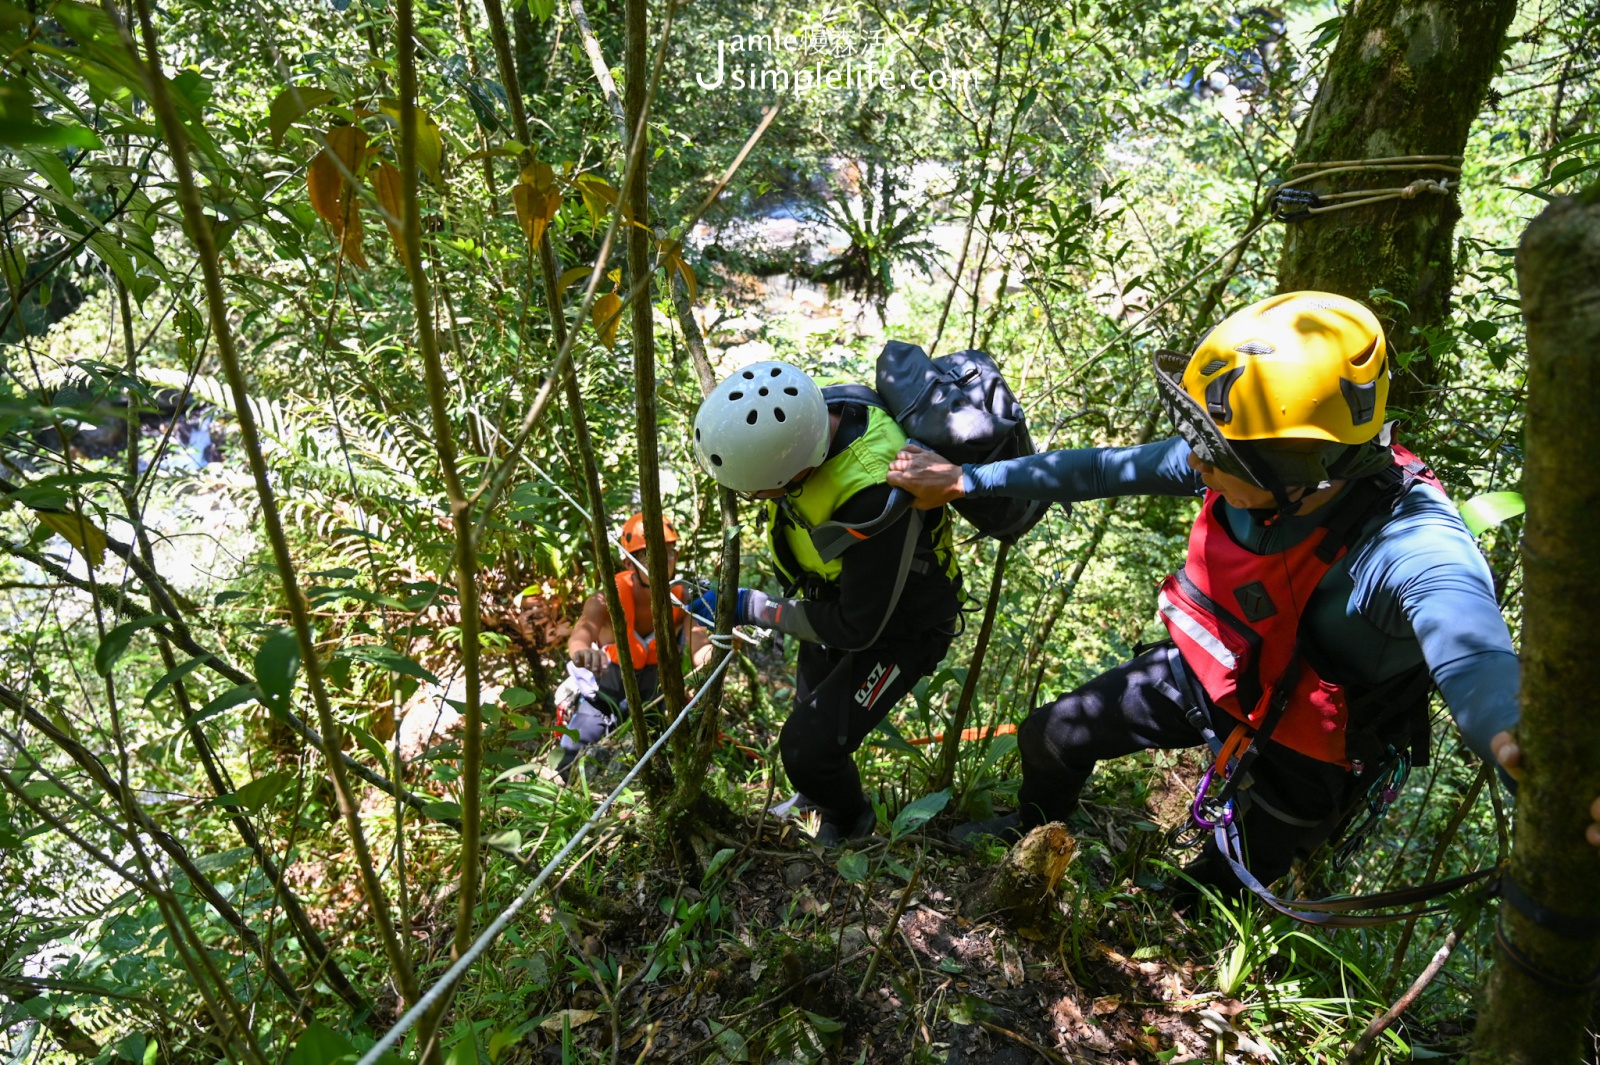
1407 77
1525 1019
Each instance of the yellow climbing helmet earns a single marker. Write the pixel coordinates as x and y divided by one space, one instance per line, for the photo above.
1300 378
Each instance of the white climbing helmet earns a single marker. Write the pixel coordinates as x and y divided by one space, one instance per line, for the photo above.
761 427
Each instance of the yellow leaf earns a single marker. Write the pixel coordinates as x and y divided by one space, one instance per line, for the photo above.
385 179
675 261
539 175
349 143
573 1018
607 315
430 145
615 276
569 276
597 196
535 209
82 534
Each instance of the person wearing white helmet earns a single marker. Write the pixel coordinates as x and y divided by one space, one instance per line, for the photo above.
878 584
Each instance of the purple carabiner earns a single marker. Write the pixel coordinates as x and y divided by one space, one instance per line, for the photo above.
1197 809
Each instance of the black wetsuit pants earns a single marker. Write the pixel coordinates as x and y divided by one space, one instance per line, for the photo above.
839 697
1293 804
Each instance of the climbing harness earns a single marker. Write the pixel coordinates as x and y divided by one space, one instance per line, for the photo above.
1291 204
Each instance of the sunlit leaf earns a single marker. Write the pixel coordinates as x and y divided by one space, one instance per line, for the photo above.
81 533
1490 509
430 145
385 181
569 276
607 315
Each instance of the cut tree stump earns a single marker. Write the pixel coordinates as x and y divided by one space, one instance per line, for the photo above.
1023 888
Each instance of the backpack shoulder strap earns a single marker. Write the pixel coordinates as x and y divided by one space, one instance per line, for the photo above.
839 395
834 538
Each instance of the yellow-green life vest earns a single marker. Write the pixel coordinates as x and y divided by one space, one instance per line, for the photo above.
861 465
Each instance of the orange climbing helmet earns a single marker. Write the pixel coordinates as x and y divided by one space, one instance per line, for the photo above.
633 533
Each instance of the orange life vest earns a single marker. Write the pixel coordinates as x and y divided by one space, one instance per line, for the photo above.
643 647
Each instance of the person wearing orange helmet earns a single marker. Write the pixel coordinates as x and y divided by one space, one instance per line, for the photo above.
592 646
1329 586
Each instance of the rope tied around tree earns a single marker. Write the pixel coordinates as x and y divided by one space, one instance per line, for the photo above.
1292 204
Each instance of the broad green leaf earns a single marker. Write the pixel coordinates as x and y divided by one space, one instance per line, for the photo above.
500 1040
172 676
277 665
853 866
464 1052
18 134
260 791
115 643
1490 509
369 743
387 658
730 1043
320 1045
234 696
718 860
442 811
290 105
918 813
210 863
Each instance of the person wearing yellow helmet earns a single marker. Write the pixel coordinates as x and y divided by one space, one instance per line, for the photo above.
1329 585
592 705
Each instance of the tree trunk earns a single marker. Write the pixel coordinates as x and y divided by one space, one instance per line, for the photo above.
1023 888
1525 1018
1407 77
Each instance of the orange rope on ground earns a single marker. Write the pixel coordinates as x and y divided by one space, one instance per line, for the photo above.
968 735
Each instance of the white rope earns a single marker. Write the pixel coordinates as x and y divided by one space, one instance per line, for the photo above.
439 990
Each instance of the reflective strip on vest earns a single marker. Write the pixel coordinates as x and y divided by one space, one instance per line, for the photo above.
1202 637
1270 593
643 648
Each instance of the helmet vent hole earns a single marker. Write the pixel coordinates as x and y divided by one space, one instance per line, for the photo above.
716 460
1212 367
749 376
776 372
1366 356
777 412
1255 347
763 390
790 390
735 395
697 435
750 419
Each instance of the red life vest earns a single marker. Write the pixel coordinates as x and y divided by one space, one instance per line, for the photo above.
643 647
1235 617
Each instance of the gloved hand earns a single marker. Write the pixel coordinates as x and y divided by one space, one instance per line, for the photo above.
591 658
756 608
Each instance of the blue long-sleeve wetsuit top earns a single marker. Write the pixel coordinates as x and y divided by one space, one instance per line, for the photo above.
1412 588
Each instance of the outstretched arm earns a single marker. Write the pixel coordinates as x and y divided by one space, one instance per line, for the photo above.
1066 476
